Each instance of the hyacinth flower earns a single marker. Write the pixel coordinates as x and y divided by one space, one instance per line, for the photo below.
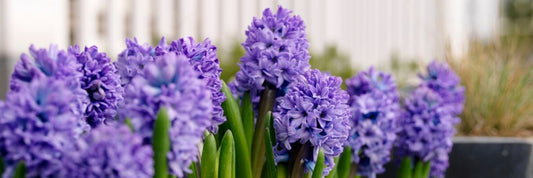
426 132
37 123
102 83
52 63
204 60
446 83
109 151
201 55
172 83
375 108
132 60
313 115
276 53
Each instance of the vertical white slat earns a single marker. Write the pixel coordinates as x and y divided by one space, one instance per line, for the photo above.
248 12
332 22
163 17
140 21
229 26
116 27
456 29
346 29
316 24
86 22
301 8
263 4
187 18
209 20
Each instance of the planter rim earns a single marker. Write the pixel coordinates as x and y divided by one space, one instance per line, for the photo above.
487 139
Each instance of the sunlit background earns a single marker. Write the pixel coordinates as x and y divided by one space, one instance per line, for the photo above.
486 41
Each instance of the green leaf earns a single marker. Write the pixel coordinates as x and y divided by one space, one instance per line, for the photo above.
1 166
282 171
345 162
319 165
247 113
406 168
419 169
233 116
225 154
270 163
209 157
129 124
193 174
161 143
268 96
20 171
426 169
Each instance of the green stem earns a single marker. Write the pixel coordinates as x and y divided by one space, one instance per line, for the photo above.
319 165
344 164
406 168
161 144
270 163
247 112
20 171
268 96
297 163
419 169
282 170
193 174
426 169
233 116
1 166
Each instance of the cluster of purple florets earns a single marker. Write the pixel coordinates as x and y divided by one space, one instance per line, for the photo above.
375 108
427 126
276 53
313 112
60 117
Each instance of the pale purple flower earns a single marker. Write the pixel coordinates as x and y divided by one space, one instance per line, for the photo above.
375 110
427 130
51 63
313 112
102 83
446 83
37 123
109 151
170 82
276 52
132 60
204 60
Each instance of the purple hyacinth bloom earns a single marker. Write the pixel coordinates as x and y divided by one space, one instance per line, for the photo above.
133 59
313 112
375 110
203 58
276 52
170 82
109 151
427 130
102 83
446 83
52 63
37 123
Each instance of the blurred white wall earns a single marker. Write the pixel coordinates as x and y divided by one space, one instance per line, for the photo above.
369 32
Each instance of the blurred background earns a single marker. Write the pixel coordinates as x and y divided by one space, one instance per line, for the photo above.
487 42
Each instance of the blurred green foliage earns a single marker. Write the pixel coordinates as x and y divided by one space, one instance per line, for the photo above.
498 78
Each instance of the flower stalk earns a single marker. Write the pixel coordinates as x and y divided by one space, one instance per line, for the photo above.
266 104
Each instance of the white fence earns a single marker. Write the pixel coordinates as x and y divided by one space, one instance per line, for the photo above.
368 31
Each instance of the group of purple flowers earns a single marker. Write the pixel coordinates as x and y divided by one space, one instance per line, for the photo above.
65 111
312 110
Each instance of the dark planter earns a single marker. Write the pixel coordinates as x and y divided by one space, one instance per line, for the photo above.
490 157
486 157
